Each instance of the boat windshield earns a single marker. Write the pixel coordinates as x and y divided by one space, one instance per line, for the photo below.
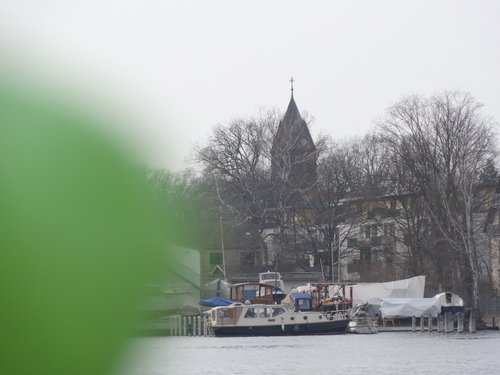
270 276
303 304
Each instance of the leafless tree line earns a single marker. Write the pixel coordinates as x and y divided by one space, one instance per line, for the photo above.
431 153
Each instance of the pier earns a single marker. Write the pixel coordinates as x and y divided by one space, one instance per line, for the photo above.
175 325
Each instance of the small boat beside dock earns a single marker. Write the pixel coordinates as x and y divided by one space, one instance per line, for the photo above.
362 320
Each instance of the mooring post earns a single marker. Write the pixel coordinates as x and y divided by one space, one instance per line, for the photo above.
460 322
413 323
472 321
448 323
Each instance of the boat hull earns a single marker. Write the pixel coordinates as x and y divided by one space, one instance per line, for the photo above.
323 328
362 329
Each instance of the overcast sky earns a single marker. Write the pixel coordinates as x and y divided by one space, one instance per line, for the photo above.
182 66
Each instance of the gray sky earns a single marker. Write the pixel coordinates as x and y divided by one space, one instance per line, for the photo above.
176 68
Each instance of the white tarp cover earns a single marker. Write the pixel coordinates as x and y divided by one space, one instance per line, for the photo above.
410 307
374 292
218 287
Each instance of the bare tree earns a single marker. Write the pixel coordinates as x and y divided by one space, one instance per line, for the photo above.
253 175
443 143
327 205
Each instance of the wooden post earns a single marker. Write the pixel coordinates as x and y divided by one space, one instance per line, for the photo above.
460 322
413 323
472 321
448 322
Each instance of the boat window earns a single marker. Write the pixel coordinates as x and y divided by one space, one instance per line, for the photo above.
224 313
303 304
250 313
278 310
250 294
261 312
448 297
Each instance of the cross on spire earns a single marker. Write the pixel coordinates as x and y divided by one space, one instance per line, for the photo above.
291 82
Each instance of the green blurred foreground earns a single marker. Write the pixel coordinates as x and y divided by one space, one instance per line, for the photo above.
76 242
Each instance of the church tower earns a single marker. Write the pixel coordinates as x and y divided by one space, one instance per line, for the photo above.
293 154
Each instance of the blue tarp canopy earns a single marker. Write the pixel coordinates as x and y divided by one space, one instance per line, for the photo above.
216 301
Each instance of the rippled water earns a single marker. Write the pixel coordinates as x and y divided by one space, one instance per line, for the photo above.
382 353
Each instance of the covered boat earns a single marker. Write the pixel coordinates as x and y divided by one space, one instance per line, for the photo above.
450 302
407 307
216 301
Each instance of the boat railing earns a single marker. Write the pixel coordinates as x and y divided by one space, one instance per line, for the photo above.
336 314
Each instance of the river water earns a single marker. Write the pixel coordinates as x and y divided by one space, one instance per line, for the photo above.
382 353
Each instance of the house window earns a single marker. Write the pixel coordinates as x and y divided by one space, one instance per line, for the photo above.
390 230
352 242
215 259
393 204
365 255
370 231
247 259
353 266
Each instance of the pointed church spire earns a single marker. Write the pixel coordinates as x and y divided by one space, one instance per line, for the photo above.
292 114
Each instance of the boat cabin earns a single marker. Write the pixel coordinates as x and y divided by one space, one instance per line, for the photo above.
256 293
229 315
301 301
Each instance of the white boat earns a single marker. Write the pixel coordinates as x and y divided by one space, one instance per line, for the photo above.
362 320
246 319
157 303
274 279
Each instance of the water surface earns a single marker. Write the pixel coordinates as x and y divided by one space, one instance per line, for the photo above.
382 353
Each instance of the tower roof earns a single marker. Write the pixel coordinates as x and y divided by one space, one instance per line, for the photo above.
292 114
